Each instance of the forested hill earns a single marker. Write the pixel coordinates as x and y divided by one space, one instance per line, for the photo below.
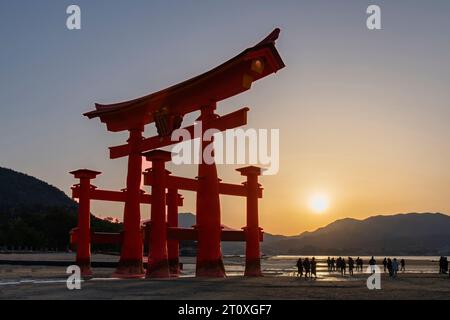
18 190
37 216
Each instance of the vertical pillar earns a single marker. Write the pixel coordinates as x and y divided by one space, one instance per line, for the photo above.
130 263
173 246
209 253
83 259
252 230
158 264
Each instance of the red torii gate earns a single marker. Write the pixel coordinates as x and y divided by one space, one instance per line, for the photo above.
167 108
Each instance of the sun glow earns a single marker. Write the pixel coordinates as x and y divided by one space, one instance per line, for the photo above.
319 203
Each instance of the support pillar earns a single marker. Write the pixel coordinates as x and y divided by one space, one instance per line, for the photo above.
252 230
158 263
130 263
83 259
209 253
173 246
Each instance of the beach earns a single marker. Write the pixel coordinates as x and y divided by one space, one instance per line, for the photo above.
49 282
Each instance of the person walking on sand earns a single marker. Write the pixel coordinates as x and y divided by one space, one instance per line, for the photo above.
333 264
441 265
343 267
313 268
385 264
361 264
329 264
372 264
394 268
402 265
351 265
299 268
389 266
307 267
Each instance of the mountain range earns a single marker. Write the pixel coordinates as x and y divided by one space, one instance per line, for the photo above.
401 234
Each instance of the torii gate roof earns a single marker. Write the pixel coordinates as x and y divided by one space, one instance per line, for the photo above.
229 79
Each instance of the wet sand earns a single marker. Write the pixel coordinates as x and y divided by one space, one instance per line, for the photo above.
45 282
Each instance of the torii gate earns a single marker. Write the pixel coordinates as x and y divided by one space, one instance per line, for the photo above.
167 108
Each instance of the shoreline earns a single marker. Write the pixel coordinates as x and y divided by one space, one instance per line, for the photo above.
49 282
405 287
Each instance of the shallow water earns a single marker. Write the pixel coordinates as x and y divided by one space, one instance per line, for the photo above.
286 266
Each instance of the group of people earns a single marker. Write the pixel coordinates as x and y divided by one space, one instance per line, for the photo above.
393 266
340 265
307 267
443 265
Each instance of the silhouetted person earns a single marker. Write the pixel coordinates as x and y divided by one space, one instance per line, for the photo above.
333 264
443 265
343 267
351 265
314 268
402 265
389 267
329 264
307 266
385 264
338 264
300 267
361 264
372 264
394 268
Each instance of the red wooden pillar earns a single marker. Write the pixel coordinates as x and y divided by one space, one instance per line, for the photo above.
158 264
173 246
83 259
209 253
130 263
252 230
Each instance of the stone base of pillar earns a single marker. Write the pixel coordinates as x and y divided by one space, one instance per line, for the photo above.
130 269
253 268
158 269
85 267
174 267
211 269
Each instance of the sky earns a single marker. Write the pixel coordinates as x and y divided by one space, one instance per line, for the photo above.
363 114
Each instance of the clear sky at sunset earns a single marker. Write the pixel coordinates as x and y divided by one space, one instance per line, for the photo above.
363 115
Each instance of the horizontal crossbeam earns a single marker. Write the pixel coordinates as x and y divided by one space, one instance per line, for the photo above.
188 184
230 121
113 196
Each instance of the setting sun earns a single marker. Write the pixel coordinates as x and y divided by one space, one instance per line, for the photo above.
319 203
